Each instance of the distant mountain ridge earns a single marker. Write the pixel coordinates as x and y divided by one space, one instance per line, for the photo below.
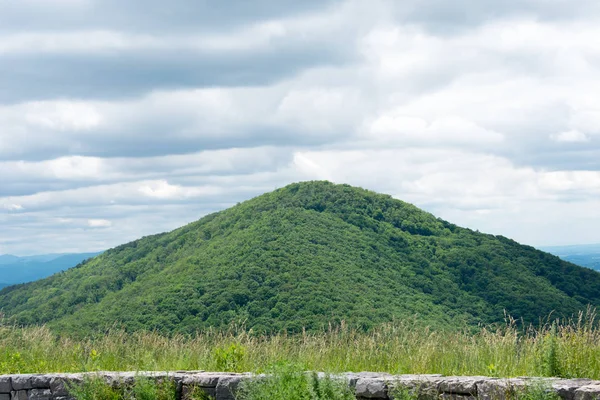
14 269
303 256
586 255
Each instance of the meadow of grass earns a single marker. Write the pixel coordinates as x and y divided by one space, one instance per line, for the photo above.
567 349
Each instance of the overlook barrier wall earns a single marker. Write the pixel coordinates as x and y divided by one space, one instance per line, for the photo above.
365 385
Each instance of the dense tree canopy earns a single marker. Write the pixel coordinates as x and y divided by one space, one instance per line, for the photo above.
304 256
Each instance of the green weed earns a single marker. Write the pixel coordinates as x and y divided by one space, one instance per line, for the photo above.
94 388
566 348
229 358
290 382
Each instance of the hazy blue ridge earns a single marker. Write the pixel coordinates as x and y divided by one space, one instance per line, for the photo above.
15 269
586 255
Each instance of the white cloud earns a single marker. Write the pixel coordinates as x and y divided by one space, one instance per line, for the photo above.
99 223
488 121
12 207
571 136
400 129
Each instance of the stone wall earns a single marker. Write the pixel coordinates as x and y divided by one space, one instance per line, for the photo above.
366 385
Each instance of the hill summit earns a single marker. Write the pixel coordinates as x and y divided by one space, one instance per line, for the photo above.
303 256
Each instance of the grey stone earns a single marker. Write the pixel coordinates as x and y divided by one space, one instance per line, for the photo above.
371 388
5 384
464 385
18 395
422 386
206 380
454 396
40 394
21 382
40 381
4 396
500 389
58 384
228 385
566 387
188 392
588 392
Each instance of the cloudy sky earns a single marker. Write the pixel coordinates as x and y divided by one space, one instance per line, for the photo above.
123 119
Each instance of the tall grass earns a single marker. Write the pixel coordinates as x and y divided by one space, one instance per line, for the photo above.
566 348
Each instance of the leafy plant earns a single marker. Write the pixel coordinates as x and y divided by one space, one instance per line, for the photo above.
229 358
94 388
197 393
145 388
289 382
551 361
400 392
539 390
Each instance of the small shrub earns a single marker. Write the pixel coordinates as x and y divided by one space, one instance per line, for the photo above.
147 389
539 390
290 382
197 393
229 358
143 388
402 392
551 360
94 388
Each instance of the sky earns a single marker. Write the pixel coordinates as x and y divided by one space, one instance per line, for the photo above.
124 119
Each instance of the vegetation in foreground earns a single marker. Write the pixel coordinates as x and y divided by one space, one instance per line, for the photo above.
556 349
282 382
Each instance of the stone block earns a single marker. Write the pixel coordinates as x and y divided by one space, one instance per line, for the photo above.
189 392
588 392
21 382
500 389
18 395
228 385
463 385
4 396
40 381
40 394
566 387
59 384
205 380
371 388
5 384
421 386
454 396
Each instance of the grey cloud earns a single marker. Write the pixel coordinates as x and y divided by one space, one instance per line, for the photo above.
309 89
132 73
447 17
146 15
22 179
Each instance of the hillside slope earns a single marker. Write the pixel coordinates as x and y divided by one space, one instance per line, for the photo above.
303 256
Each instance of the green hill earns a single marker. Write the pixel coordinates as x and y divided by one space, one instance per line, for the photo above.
303 256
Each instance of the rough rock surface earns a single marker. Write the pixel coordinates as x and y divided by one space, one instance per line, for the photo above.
366 385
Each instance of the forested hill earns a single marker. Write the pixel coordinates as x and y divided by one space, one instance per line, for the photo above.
303 256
